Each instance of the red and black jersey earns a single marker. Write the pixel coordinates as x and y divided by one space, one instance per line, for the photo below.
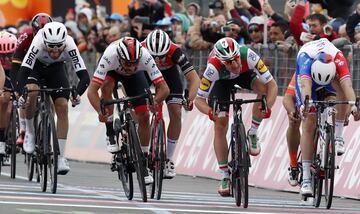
23 44
174 57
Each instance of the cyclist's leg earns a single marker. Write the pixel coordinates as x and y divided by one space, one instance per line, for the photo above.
106 93
5 115
55 77
174 104
342 112
293 140
222 90
135 85
249 81
30 108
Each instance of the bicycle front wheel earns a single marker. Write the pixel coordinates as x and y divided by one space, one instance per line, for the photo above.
52 153
138 159
125 169
11 138
159 160
30 165
244 161
329 165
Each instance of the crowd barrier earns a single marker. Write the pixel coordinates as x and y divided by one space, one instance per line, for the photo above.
195 156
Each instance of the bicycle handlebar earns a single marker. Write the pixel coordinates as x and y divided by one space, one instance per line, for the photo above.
124 100
241 102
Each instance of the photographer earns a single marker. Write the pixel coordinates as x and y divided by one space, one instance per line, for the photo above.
235 30
211 28
154 9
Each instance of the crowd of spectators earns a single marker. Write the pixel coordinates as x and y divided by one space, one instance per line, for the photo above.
247 21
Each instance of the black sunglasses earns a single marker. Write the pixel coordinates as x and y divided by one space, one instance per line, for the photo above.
55 45
253 30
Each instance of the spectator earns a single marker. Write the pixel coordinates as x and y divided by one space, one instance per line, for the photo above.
180 26
277 32
153 9
256 29
195 39
113 35
272 14
115 19
211 28
351 23
336 8
235 30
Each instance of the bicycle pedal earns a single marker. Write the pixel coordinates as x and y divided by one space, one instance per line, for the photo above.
113 168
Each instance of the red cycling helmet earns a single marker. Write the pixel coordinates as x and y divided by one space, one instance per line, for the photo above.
7 43
39 20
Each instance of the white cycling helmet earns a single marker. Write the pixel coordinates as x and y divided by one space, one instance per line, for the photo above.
226 49
158 43
54 33
323 69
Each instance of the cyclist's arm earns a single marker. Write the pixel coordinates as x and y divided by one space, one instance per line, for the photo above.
193 78
346 86
202 105
2 78
162 91
256 63
93 95
305 86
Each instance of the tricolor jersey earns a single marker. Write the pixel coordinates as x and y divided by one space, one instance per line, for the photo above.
216 70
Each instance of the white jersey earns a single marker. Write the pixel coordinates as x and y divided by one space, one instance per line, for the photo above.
314 47
110 61
38 51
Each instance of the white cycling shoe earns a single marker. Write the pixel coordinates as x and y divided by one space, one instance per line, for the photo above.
63 166
29 143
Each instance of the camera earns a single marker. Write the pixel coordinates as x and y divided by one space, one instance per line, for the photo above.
225 29
328 30
216 4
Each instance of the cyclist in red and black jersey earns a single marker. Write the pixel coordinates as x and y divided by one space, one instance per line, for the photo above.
23 44
168 57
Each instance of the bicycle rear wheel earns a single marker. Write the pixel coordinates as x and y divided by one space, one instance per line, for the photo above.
159 160
125 171
30 165
52 152
138 159
329 167
41 157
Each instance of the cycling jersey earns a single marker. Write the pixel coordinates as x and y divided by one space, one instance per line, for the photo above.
38 51
305 59
310 50
291 87
22 46
216 70
174 57
110 61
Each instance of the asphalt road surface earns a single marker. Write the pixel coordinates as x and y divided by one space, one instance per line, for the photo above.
92 188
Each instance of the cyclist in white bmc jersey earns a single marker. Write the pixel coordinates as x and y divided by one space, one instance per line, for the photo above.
126 61
50 48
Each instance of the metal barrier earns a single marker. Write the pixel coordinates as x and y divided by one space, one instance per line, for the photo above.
282 62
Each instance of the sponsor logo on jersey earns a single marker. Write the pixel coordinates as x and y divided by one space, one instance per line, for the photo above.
261 66
147 60
107 60
210 73
154 73
75 58
102 65
339 62
252 56
31 56
100 73
205 84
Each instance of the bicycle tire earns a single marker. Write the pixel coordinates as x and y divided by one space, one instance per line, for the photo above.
41 158
1 161
235 176
138 159
12 141
152 157
30 165
329 166
52 152
125 171
159 164
244 166
43 174
316 176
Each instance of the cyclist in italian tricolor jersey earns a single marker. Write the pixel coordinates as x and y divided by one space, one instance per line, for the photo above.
230 64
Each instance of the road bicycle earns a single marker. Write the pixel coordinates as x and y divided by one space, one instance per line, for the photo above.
45 157
11 133
239 148
130 157
323 162
157 158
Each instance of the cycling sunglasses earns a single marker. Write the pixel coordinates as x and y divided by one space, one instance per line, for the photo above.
229 62
253 29
58 45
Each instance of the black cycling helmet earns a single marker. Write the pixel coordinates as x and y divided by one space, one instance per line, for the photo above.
39 20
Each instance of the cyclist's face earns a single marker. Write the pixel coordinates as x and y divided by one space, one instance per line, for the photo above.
55 50
129 67
5 60
234 66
